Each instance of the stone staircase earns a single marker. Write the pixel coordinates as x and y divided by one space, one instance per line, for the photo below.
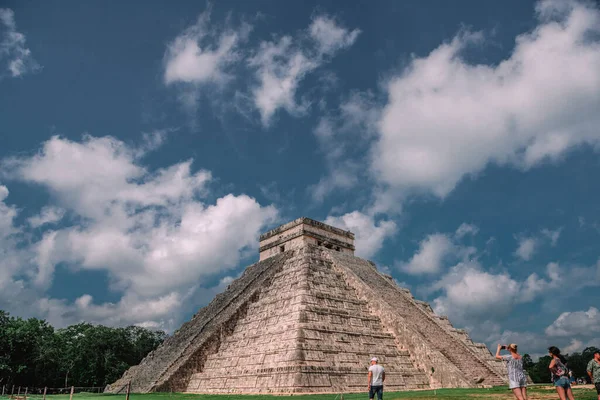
179 354
476 370
307 333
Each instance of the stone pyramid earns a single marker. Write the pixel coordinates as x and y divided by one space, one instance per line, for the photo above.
306 319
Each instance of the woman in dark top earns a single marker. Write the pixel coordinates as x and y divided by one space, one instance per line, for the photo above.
560 374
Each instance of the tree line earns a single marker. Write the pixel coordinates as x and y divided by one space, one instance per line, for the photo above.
577 362
34 354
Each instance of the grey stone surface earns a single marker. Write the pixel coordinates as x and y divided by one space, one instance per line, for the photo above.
190 344
302 232
307 320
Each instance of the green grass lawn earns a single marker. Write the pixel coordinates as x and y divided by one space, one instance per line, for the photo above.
499 393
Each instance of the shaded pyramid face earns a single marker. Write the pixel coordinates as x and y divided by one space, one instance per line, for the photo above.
308 318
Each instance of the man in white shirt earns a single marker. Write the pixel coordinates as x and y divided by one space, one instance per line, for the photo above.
376 379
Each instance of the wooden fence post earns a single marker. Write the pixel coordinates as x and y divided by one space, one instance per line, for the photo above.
13 390
26 392
45 388
19 392
3 386
128 390
72 390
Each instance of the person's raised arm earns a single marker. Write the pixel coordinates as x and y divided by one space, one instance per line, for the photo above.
498 356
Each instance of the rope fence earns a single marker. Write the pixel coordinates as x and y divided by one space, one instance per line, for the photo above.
14 392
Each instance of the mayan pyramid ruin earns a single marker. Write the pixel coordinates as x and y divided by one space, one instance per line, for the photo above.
307 318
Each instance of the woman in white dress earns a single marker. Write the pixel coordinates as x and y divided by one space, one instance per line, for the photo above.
517 380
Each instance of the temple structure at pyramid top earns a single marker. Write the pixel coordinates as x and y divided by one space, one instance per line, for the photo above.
305 231
307 318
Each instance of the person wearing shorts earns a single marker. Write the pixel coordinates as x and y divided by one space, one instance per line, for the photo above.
560 374
376 379
593 370
517 381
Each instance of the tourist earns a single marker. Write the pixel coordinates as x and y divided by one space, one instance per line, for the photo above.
376 379
593 370
517 381
572 378
560 374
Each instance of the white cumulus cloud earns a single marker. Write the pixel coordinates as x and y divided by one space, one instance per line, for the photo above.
529 245
7 214
438 248
13 50
552 235
369 234
331 37
527 248
480 299
585 323
470 291
447 118
430 256
473 296
202 54
152 231
48 215
466 229
283 63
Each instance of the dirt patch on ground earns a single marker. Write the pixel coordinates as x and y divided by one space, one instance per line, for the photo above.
549 392
530 396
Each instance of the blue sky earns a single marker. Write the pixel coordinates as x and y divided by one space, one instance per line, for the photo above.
144 147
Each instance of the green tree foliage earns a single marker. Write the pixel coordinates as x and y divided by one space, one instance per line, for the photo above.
539 371
34 354
578 361
527 362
